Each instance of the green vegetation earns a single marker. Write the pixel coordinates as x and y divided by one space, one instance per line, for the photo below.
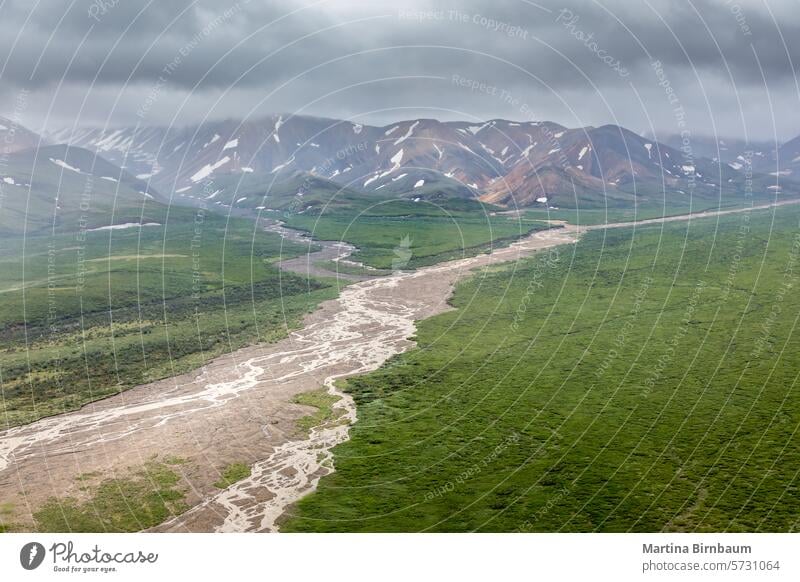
325 412
233 473
87 315
400 234
638 382
144 499
6 510
643 211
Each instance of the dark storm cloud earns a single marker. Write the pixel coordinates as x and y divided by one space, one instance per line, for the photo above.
564 60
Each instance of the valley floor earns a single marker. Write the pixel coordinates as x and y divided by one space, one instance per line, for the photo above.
237 409
243 409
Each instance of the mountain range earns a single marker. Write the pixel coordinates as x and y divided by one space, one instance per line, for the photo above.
271 162
500 161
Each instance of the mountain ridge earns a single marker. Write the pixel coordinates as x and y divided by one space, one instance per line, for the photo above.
513 163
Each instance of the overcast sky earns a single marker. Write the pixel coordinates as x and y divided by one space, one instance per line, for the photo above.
726 67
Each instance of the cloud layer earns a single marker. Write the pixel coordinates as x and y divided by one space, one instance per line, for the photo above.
730 66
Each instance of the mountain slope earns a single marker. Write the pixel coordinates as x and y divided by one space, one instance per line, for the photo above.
14 137
503 162
69 189
785 161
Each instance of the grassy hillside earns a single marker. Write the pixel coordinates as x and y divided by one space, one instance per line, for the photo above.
66 189
260 190
639 383
87 315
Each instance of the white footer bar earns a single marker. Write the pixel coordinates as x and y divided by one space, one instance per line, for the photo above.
380 557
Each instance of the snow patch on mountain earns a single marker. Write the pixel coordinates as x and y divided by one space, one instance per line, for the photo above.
407 134
208 169
213 140
278 124
124 226
65 165
282 166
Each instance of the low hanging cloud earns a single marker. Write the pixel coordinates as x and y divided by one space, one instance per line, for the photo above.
730 65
